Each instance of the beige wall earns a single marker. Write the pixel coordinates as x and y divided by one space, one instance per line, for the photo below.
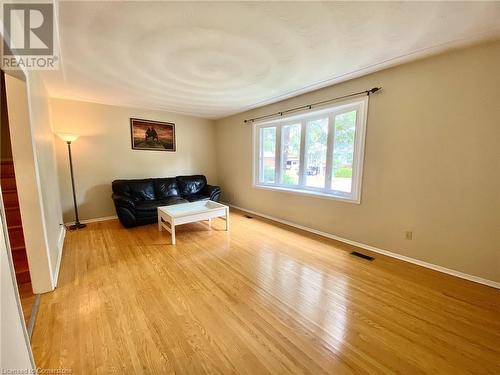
43 139
104 153
25 155
432 163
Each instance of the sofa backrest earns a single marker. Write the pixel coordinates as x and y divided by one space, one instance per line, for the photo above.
189 185
159 188
166 187
139 190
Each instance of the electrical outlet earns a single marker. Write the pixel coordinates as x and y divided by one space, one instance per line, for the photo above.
409 235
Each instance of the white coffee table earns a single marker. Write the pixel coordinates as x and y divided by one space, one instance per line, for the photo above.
183 213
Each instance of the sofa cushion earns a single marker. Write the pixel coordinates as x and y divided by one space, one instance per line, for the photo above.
173 200
197 197
189 185
151 206
166 187
139 190
148 205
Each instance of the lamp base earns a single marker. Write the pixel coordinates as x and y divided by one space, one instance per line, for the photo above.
77 226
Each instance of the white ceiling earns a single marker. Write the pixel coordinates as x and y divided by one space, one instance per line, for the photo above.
212 59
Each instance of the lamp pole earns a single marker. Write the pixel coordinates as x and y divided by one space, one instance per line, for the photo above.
77 224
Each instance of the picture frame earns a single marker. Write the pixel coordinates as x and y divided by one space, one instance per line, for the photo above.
152 135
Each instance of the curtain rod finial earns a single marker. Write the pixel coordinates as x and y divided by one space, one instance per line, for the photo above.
374 90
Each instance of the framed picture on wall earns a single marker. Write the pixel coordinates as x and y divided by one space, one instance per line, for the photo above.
152 135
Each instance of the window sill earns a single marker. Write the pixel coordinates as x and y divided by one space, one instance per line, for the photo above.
308 193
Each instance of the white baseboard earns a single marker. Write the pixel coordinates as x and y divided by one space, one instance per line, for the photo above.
421 263
60 248
86 221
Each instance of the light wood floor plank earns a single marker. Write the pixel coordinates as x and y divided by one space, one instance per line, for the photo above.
261 299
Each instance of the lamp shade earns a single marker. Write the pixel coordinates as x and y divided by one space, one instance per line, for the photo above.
68 137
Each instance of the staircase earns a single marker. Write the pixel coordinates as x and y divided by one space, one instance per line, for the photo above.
14 224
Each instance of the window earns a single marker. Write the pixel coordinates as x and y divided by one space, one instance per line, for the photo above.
290 155
319 152
268 155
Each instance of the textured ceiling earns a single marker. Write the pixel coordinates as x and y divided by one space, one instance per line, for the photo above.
212 59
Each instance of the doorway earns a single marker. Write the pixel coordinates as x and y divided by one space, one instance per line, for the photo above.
12 211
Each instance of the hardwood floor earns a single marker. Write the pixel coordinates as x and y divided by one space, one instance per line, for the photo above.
264 298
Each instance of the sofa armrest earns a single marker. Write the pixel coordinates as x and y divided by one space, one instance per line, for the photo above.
123 201
212 191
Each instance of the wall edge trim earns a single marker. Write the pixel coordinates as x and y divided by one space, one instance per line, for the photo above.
60 248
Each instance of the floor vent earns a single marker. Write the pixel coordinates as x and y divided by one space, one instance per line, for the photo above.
363 256
249 217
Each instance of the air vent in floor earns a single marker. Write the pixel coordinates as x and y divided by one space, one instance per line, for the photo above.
363 256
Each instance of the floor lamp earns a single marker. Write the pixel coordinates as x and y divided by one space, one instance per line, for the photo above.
68 138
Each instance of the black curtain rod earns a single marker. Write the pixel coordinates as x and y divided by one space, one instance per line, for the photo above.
309 106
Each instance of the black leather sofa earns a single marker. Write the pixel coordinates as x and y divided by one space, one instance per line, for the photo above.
136 201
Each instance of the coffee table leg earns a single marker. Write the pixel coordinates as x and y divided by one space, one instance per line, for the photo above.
159 222
227 219
172 232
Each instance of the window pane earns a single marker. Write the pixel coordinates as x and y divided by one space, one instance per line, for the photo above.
316 143
290 154
343 151
268 154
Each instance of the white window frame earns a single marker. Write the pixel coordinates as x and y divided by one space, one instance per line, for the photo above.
361 105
